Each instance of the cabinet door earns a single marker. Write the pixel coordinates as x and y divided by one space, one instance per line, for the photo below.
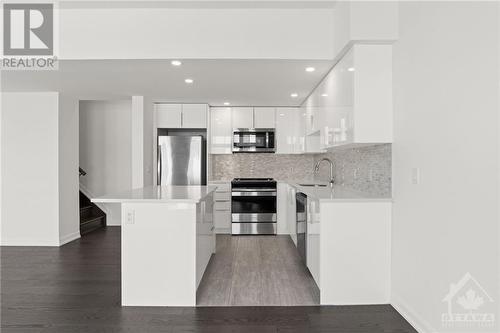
292 213
168 115
313 238
282 209
243 117
285 130
194 116
264 117
299 131
220 131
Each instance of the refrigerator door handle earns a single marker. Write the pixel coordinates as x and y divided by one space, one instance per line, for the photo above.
158 165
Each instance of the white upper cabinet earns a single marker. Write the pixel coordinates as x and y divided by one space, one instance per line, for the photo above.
181 115
289 131
264 117
353 104
168 115
221 133
250 117
242 117
194 115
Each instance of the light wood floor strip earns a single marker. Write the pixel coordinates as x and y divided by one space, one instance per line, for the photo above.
256 271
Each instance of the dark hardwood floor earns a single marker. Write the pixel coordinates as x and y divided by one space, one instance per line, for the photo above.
76 288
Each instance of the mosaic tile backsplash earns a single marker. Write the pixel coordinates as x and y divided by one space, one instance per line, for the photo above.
281 167
367 169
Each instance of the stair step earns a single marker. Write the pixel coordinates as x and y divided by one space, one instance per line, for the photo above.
91 216
86 211
91 219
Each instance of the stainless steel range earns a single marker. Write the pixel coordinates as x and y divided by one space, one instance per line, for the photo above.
253 205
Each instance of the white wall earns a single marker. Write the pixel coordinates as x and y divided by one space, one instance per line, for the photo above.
149 140
363 22
137 138
106 150
446 124
69 210
196 33
30 195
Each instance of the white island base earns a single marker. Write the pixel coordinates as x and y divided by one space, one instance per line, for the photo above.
166 244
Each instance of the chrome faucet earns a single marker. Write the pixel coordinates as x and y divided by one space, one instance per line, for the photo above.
316 169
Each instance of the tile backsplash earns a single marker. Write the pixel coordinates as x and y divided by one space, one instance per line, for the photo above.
281 167
367 169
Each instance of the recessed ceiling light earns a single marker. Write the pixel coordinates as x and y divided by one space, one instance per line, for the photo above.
282 114
351 69
310 69
188 81
324 95
294 95
227 103
176 62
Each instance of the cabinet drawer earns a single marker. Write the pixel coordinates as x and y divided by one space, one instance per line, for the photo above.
222 206
222 187
222 219
222 196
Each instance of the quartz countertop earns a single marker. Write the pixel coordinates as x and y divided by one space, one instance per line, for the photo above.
159 194
339 193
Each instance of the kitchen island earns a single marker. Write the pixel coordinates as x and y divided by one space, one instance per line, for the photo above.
167 239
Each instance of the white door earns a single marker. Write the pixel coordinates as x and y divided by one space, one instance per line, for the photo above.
264 117
194 115
168 115
220 131
243 117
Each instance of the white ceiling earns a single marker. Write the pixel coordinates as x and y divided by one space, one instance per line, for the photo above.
240 82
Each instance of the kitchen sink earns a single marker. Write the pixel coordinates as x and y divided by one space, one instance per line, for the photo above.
313 185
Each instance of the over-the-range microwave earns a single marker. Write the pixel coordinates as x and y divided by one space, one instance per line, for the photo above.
254 140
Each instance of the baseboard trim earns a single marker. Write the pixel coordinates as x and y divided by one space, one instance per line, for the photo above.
28 242
415 320
69 238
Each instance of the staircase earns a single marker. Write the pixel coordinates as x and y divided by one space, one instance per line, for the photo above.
91 217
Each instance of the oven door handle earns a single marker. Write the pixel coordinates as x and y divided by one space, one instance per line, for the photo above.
253 194
254 189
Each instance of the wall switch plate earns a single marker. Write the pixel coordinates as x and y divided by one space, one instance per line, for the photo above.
370 175
415 176
355 173
131 217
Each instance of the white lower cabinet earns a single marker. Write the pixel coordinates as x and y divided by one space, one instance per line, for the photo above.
222 207
286 211
205 235
313 238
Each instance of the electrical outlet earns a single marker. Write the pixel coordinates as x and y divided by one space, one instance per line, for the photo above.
131 217
415 176
355 173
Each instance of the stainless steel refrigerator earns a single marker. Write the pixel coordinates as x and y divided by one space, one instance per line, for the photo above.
181 160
